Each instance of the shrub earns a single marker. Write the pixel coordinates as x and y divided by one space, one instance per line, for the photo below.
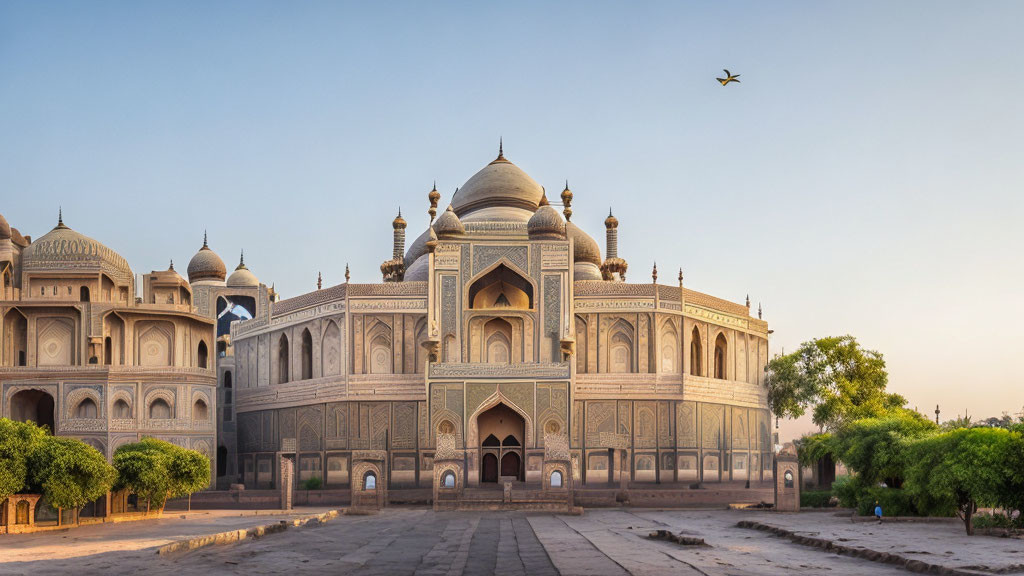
313 483
848 490
69 472
894 502
815 498
156 470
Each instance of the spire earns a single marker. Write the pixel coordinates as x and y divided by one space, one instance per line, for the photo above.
567 202
758 310
241 261
680 277
172 265
654 274
205 245
60 217
748 301
501 148
346 273
319 281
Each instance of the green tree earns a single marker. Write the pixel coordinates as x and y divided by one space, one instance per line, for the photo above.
69 472
156 470
877 448
17 441
964 469
835 377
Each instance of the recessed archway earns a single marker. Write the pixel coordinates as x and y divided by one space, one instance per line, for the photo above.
502 287
503 422
33 406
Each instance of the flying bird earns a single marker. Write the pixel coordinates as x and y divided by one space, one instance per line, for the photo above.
728 78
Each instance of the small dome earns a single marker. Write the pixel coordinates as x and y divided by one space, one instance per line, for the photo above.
206 265
611 221
586 271
5 229
419 271
398 222
242 277
449 225
546 222
585 248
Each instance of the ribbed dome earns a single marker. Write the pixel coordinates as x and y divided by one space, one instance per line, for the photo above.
5 229
62 247
242 277
585 248
206 265
499 184
546 222
448 225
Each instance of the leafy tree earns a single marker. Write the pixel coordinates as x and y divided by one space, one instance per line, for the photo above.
839 379
156 470
17 441
69 472
877 448
964 469
813 447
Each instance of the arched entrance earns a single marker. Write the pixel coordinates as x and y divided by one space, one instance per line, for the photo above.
503 433
33 405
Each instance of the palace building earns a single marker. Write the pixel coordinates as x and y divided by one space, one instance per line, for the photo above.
500 341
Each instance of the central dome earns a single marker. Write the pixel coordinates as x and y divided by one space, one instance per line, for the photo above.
502 185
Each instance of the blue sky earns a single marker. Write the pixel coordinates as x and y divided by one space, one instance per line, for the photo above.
865 177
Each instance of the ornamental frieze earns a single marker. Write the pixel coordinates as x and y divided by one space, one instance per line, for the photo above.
559 370
390 305
605 305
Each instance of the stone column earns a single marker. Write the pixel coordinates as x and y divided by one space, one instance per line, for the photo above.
287 488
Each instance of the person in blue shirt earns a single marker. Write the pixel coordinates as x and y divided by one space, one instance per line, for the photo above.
878 512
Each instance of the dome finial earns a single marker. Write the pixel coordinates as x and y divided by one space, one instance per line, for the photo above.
319 280
654 274
758 310
567 202
347 275
60 216
205 245
680 277
748 301
241 260
501 148
543 197
172 264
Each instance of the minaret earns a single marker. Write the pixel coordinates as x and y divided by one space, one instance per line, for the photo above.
394 270
614 268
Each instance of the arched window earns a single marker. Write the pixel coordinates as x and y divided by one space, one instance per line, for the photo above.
282 360
370 481
491 440
159 409
83 293
695 353
86 409
556 479
202 354
510 440
199 411
448 480
227 379
107 350
669 350
121 410
307 355
720 355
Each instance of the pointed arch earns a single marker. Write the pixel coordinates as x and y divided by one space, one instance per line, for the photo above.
621 347
581 345
420 336
670 349
306 349
379 352
202 355
15 343
501 286
721 355
330 350
696 353
282 359
498 341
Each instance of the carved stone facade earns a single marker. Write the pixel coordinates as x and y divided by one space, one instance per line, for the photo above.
634 382
87 353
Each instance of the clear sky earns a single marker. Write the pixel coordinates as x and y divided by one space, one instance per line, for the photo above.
866 176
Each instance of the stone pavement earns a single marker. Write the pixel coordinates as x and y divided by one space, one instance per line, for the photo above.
417 541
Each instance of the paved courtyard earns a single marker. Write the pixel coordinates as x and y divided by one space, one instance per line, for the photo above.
421 542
